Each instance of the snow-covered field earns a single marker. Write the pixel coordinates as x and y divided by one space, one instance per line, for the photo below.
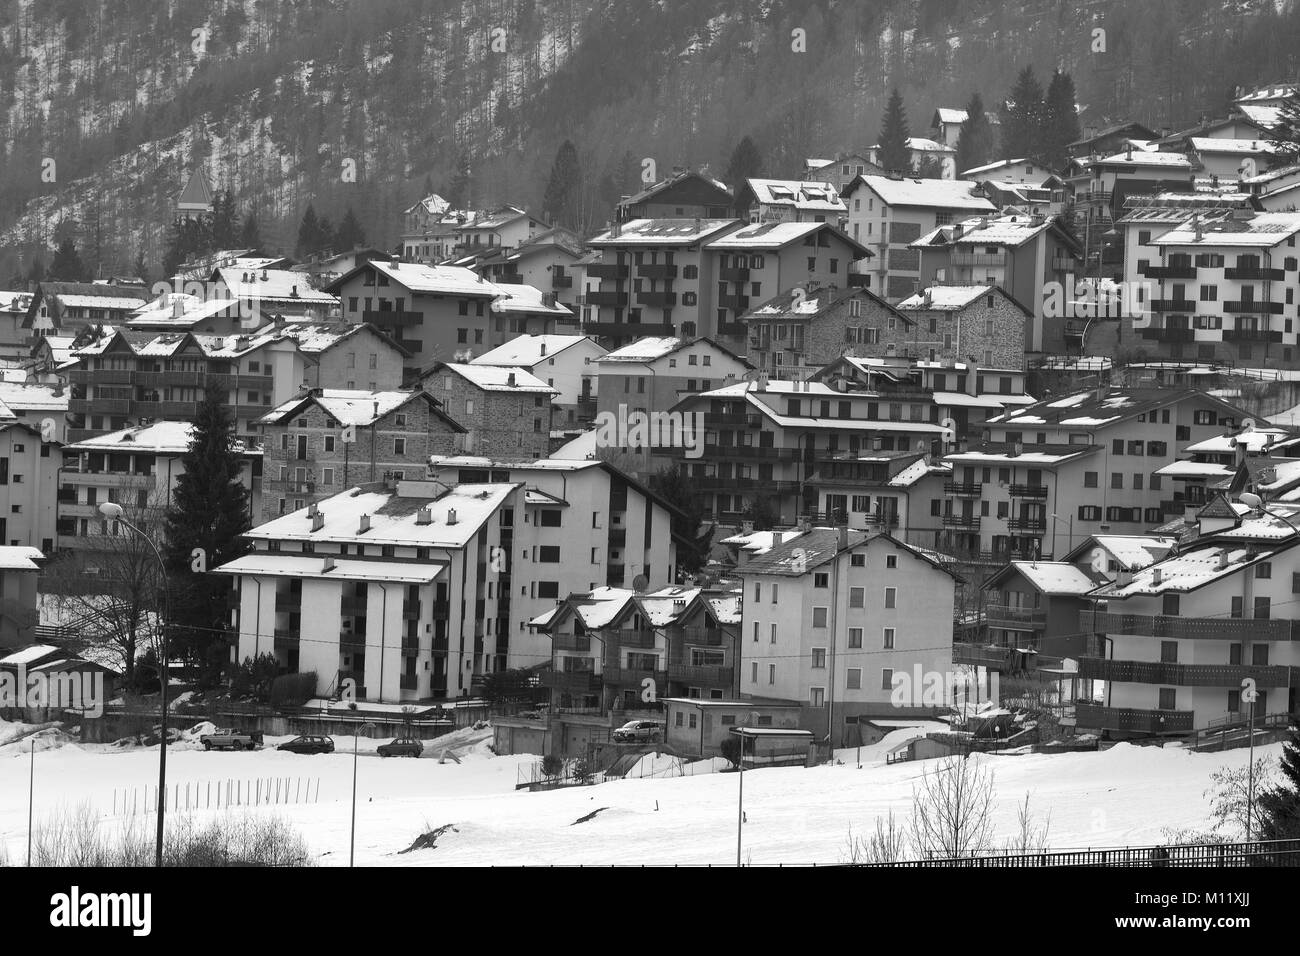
1125 795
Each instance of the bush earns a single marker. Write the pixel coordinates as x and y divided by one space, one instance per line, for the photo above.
293 690
552 765
730 750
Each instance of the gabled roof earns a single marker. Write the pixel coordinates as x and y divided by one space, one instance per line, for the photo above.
196 195
493 378
663 232
651 191
930 193
954 298
656 347
356 406
778 235
1088 410
1053 578
814 302
426 279
527 351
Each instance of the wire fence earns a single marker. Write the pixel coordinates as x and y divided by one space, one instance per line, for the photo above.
217 794
1258 853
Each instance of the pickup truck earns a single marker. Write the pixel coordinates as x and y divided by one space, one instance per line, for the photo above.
232 740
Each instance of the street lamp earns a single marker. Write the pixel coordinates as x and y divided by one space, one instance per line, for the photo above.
113 511
352 845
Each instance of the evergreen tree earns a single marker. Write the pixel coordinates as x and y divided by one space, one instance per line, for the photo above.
67 265
37 271
1022 118
1279 807
188 239
350 235
746 163
309 234
1060 122
141 271
209 513
327 236
894 133
560 202
460 195
975 141
673 483
249 236
225 221
930 167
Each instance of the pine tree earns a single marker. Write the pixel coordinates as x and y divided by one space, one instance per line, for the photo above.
188 239
560 202
250 237
746 163
975 141
1060 122
1022 118
460 194
309 234
37 271
327 242
893 152
1279 807
209 512
141 271
350 235
67 265
225 221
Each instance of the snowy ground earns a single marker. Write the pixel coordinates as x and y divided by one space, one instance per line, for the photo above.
1125 795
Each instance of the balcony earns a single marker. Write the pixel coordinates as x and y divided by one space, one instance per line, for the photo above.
1171 272
409 681
1028 491
1169 334
351 641
706 675
1253 272
561 282
108 406
1251 335
571 682
1173 305
286 638
992 656
1188 628
104 376
734 274
1030 525
571 642
179 379
737 419
618 537
737 303
978 258
391 318
737 329
969 489
657 270
890 520
108 479
607 299
630 637
968 522
634 330
1185 675
288 603
353 607
1091 716
611 271
1262 308
1016 618
615 674
703 636
657 300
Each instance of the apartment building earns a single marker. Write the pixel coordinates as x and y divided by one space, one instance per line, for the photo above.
126 377
581 525
429 229
685 194
439 313
1102 182
652 374
19 569
507 227
567 363
1021 171
839 172
328 439
1179 638
29 482
1050 474
773 256
851 624
1030 257
68 307
888 214
655 279
138 469
790 200
507 412
977 323
15 341
43 407
1224 290
395 586
945 125
548 262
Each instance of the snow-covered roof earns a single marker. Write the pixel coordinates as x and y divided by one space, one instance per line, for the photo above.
1134 551
799 194
19 558
33 652
989 167
346 406
1253 441
921 144
526 351
646 350
1247 147
1057 577
160 438
767 235
499 378
1195 469
937 193
276 284
1140 157
328 566
31 397
437 280
99 301
944 298
760 542
518 298
663 232
1264 229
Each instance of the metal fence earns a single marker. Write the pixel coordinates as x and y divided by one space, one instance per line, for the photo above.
1260 853
216 794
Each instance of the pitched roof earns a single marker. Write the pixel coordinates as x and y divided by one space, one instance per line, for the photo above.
526 351
495 378
663 232
356 406
935 193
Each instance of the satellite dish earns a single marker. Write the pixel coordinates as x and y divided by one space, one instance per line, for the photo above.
639 583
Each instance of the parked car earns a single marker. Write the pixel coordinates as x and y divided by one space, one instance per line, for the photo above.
309 744
639 731
401 747
232 740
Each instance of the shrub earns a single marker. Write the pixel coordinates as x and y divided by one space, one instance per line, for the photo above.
293 690
552 765
730 750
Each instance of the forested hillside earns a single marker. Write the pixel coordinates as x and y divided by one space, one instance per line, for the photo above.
105 107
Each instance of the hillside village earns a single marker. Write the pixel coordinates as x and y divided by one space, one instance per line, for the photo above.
815 454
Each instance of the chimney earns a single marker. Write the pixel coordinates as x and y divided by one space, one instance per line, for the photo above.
1128 153
178 307
1017 449
543 349
293 291
1222 562
1123 577
1196 226
264 275
510 379
843 543
1156 577
1189 515
747 527
424 516
329 563
365 524
313 509
317 520
451 516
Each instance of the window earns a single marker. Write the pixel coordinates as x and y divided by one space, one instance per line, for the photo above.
1168 652
855 637
771 673
772 633
1259 655
857 560
853 678
329 442
399 446
1168 698
819 658
753 672
548 554
891 561
887 679
857 597
819 617
889 639
775 591
1264 569
1090 479
821 580
1262 608
891 597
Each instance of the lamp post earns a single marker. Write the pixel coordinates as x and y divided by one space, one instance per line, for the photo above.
113 511
740 803
352 843
31 795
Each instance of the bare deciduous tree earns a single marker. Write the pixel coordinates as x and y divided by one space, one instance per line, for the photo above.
888 844
1230 797
1031 836
950 809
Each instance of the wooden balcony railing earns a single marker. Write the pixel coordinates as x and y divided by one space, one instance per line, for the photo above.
1092 716
1186 675
1188 628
